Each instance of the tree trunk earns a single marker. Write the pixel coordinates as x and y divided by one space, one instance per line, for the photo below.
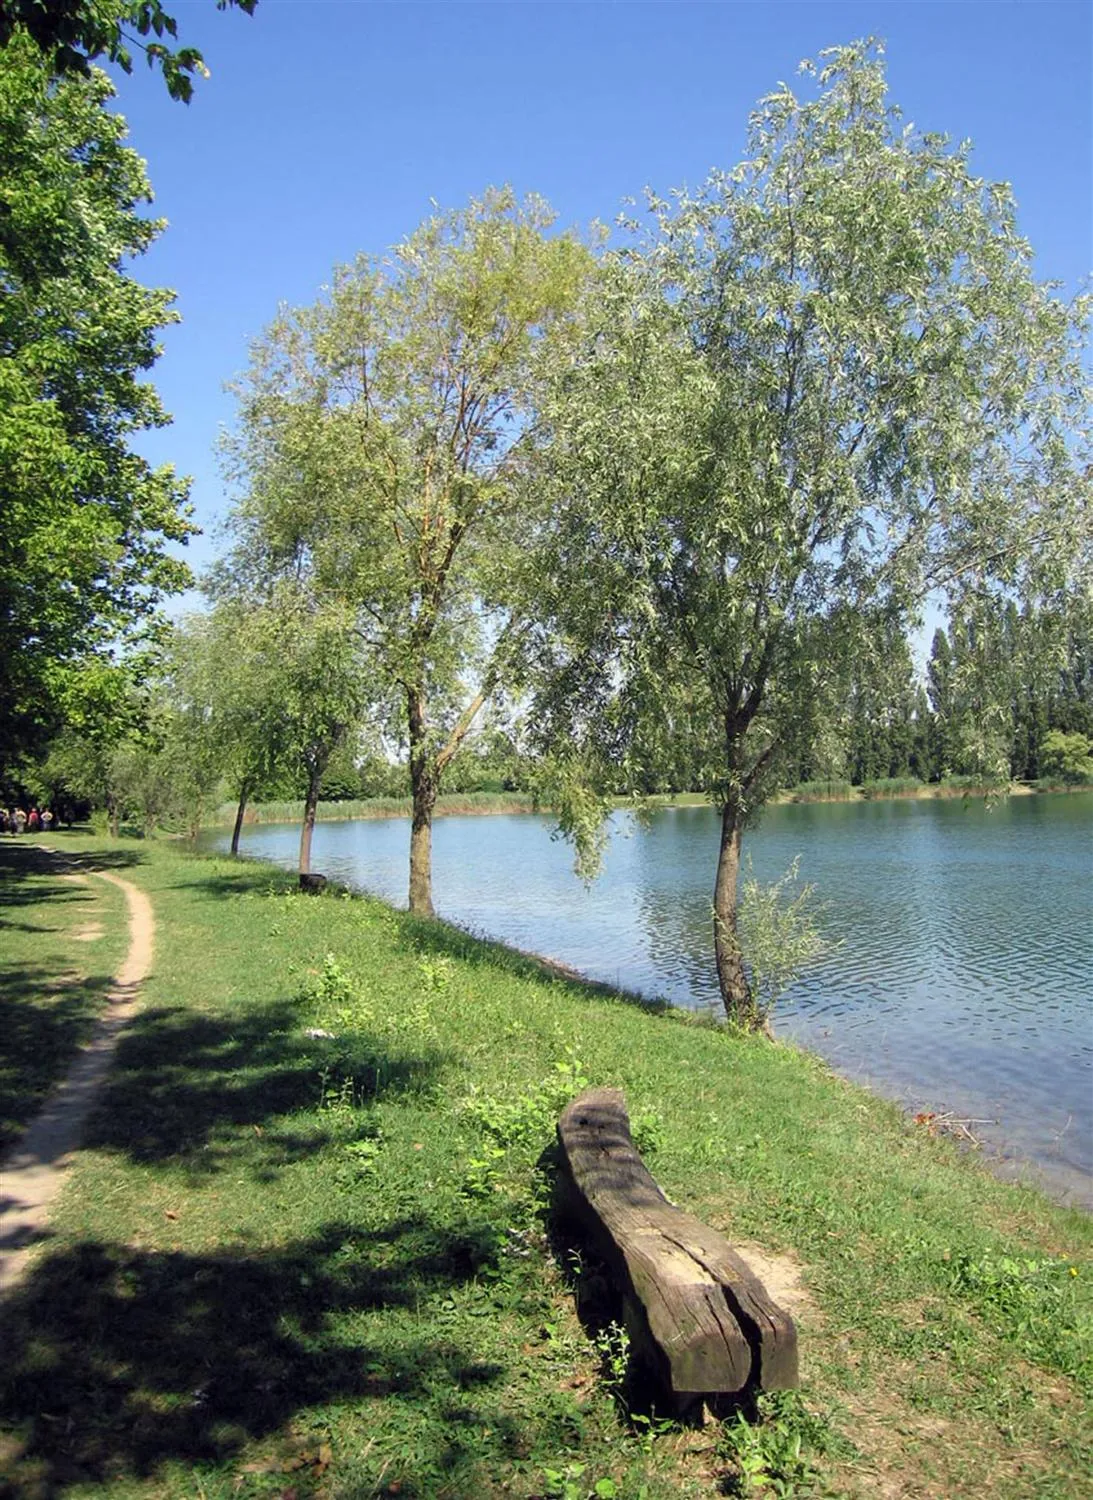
311 802
735 990
113 816
244 793
423 785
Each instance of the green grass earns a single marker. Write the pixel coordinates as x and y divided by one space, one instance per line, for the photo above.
970 786
894 786
828 790
307 1251
61 939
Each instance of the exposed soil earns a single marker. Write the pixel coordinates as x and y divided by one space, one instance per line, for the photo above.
33 1170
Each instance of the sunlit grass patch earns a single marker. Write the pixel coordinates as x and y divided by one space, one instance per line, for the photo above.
309 1246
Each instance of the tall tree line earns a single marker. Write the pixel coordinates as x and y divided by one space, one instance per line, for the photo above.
994 686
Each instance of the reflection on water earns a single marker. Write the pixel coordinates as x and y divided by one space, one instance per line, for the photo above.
963 978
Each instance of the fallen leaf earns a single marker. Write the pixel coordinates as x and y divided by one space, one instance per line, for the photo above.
418 1146
169 1213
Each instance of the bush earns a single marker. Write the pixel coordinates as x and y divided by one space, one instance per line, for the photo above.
1067 758
822 791
892 786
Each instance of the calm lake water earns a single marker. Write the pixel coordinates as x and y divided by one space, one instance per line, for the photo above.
964 976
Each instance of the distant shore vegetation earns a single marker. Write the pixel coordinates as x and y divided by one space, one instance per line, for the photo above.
473 804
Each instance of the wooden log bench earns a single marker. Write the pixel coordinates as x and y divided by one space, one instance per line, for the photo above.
698 1318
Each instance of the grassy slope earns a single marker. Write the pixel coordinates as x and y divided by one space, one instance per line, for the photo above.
301 1265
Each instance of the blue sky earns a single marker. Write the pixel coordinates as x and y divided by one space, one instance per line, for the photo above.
326 128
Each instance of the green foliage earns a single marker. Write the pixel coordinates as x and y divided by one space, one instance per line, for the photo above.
383 434
775 1454
529 1119
1067 756
780 930
826 790
72 33
817 387
87 521
573 1483
1033 1304
456 803
893 786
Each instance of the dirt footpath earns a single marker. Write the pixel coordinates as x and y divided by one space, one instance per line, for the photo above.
33 1171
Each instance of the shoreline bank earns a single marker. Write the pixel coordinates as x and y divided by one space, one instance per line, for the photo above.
996 1144
488 804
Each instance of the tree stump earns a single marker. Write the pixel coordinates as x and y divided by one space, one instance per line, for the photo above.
697 1315
312 883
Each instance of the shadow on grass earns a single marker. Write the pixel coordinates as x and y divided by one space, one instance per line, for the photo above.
246 877
119 1360
47 1009
28 877
433 935
83 860
45 1016
203 1091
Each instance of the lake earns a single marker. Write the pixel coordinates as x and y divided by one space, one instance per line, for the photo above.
963 979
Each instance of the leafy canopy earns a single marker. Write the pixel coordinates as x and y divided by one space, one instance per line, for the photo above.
70 34
384 431
822 385
86 520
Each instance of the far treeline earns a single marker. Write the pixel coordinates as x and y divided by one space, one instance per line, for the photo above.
591 514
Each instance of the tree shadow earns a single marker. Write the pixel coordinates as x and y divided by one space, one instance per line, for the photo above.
87 861
119 1360
183 1088
45 1016
23 869
244 876
433 935
47 1008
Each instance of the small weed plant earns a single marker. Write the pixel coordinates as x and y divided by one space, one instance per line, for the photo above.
773 1455
572 1483
514 1128
1034 1305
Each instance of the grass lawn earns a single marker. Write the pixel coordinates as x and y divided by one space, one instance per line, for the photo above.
306 1252
62 937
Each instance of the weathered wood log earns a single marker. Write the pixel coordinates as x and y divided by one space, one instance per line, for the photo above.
696 1313
312 883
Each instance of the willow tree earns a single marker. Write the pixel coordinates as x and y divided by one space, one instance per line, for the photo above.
822 385
383 433
227 680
